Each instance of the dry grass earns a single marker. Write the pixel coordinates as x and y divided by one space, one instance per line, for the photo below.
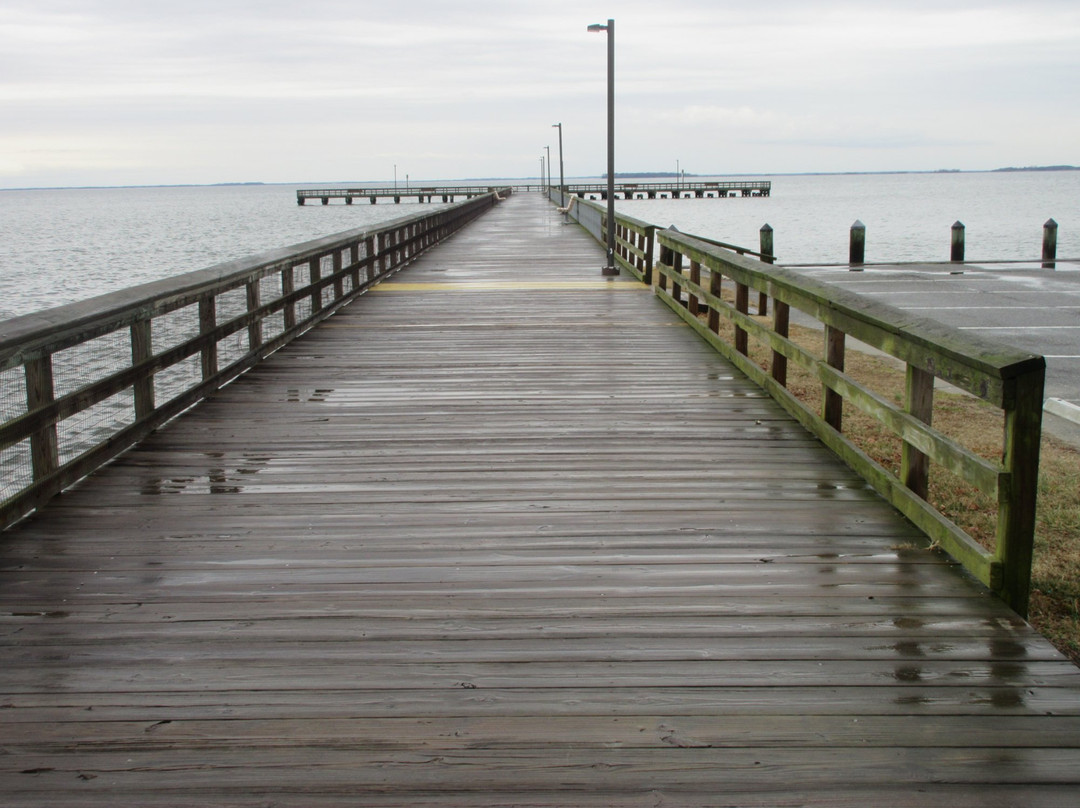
1055 600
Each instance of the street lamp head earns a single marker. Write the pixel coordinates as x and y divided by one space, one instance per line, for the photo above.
597 27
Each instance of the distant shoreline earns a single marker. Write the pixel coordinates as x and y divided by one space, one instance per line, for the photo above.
533 180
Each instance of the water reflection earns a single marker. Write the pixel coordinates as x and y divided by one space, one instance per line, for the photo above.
220 478
295 395
1004 678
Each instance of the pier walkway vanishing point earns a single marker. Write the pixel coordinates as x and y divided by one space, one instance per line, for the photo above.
503 532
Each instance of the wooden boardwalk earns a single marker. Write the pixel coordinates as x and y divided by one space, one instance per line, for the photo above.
505 533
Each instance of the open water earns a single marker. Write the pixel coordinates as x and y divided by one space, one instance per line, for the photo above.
908 217
59 246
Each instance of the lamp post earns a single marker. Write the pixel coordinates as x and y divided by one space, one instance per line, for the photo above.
541 173
611 268
547 190
562 182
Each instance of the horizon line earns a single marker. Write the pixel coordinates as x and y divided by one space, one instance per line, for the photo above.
634 174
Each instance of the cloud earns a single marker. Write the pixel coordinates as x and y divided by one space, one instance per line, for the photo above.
158 90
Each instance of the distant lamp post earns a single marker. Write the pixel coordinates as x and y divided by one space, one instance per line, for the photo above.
611 268
548 189
562 182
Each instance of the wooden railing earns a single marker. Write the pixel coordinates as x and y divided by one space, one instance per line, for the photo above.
82 383
634 239
691 276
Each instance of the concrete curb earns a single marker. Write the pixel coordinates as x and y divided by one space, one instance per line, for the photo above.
1063 409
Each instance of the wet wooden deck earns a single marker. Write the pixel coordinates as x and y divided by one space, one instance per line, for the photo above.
505 533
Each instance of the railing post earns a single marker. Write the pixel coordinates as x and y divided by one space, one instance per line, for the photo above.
254 300
676 287
142 350
857 246
666 259
381 246
834 356
716 281
781 319
1049 244
1016 499
742 305
765 247
40 392
339 281
695 277
207 323
647 248
354 265
372 259
918 402
314 276
288 286
956 254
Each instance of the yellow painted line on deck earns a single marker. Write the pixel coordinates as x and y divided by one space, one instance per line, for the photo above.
331 324
513 286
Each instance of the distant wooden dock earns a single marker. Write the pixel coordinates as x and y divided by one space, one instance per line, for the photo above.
623 190
425 194
503 532
673 189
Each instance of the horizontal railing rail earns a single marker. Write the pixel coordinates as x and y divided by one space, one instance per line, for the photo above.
83 382
691 276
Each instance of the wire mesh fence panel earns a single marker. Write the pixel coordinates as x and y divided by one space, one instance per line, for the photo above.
273 325
16 469
230 304
232 348
12 394
169 330
177 379
86 429
90 361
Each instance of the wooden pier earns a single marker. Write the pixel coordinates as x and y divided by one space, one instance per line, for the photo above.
623 190
503 532
673 189
426 194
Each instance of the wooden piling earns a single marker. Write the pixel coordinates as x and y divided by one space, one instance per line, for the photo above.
857 246
957 253
1049 244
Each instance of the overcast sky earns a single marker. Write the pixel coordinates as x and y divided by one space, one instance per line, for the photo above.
114 92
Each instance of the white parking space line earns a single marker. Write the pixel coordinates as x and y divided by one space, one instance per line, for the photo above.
990 308
1019 327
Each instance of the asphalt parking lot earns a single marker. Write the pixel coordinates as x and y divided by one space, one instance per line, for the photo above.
1028 307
